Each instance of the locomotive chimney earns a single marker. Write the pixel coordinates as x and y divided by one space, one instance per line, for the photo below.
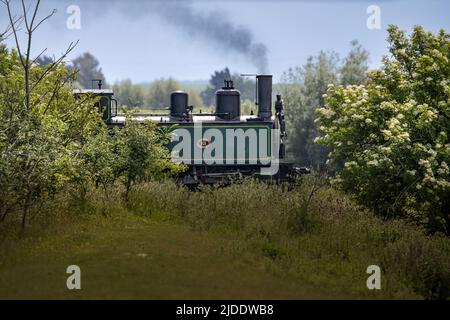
179 105
228 102
264 87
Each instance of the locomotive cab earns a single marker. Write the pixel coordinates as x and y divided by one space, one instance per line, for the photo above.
106 104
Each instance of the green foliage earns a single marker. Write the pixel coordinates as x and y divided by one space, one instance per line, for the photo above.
132 154
303 91
159 93
390 138
141 153
99 161
128 94
248 107
309 233
355 66
245 85
144 97
62 141
39 149
195 99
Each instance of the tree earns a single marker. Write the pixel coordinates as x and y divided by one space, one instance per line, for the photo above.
141 153
244 85
303 94
303 91
390 137
129 94
159 93
248 107
88 68
40 147
195 100
41 124
215 83
51 139
355 67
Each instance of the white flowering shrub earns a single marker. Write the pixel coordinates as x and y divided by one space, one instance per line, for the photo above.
389 139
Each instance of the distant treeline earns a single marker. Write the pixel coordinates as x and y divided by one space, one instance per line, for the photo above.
156 94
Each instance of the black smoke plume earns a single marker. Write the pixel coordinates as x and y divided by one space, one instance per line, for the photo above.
211 27
214 27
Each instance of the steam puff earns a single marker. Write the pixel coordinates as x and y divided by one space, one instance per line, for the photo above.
214 27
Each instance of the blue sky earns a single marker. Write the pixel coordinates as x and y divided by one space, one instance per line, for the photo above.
132 41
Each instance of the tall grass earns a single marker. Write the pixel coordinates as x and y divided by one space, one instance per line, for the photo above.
311 221
309 230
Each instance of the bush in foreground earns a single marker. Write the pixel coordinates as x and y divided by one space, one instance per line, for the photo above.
389 139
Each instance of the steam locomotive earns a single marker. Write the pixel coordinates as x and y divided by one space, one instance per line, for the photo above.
221 146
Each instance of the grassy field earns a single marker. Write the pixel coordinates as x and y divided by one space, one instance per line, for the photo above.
142 259
246 241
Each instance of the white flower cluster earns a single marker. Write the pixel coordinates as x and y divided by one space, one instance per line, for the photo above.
326 112
443 169
386 150
424 163
351 164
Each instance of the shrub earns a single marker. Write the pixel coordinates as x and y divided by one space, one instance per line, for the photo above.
389 140
141 153
39 147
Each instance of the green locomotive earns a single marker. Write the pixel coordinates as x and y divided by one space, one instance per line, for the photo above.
224 145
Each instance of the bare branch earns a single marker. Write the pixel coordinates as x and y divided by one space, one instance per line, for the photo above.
37 58
46 18
25 12
14 29
55 64
30 29
25 60
58 88
6 34
27 56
